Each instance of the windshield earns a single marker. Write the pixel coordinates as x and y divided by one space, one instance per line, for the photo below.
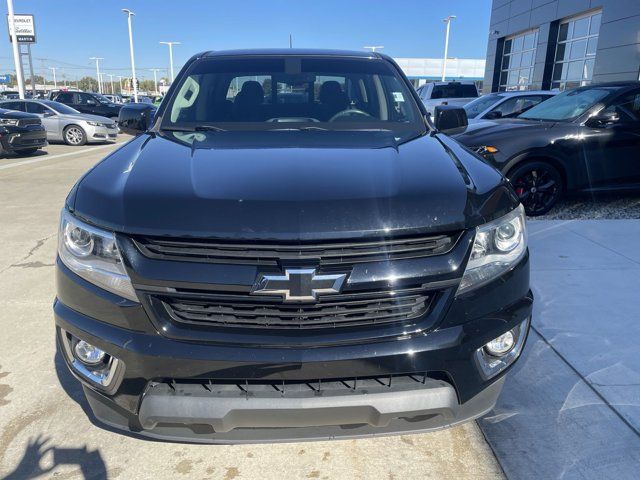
567 105
289 93
479 105
60 107
454 90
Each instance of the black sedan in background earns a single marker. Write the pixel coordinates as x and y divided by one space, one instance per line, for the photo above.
587 139
21 133
87 102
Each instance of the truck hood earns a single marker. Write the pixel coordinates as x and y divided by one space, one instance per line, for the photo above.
289 185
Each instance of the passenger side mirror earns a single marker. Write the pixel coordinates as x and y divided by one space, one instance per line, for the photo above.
603 119
448 117
136 118
48 113
91 102
493 115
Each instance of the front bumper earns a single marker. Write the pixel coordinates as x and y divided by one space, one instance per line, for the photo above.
24 139
101 133
228 392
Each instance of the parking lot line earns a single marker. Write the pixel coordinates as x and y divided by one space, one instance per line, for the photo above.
53 157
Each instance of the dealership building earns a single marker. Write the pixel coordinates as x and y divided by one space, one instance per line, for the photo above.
545 44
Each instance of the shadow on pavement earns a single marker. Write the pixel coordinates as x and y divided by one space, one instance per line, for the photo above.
90 462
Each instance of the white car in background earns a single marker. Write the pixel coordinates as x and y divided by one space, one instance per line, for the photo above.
447 93
66 124
505 104
114 98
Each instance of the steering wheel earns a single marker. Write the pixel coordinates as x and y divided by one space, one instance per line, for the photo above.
348 113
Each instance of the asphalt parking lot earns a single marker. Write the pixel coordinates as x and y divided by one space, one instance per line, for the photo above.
45 430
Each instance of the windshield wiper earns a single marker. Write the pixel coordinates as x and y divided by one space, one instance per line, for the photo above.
299 129
199 128
209 128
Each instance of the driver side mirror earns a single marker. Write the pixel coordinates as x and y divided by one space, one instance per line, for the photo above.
448 117
91 102
493 115
603 119
136 118
48 113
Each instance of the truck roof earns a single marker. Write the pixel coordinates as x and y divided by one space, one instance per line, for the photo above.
291 51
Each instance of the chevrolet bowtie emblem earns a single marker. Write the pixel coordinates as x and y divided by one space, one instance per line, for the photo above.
299 284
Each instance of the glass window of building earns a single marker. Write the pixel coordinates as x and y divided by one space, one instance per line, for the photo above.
576 51
518 57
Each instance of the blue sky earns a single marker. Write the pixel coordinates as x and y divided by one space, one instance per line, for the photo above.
71 31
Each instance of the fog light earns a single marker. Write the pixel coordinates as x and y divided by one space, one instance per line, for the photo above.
92 364
501 345
502 351
89 354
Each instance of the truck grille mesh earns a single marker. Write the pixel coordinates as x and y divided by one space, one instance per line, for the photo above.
344 310
325 253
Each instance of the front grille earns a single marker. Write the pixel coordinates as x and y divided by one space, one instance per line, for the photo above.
325 253
28 121
345 310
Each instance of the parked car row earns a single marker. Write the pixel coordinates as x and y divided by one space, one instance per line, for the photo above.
27 125
549 143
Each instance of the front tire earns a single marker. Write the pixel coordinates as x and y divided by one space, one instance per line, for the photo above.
538 184
74 135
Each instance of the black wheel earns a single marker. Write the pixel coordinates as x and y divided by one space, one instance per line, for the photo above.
74 135
27 151
538 184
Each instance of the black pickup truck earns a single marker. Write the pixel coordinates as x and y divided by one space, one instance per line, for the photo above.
290 249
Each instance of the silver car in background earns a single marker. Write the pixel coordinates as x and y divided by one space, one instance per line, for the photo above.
65 124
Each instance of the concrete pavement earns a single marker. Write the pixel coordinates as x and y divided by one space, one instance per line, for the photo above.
46 430
571 406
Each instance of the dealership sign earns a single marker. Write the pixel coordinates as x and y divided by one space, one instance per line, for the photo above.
25 28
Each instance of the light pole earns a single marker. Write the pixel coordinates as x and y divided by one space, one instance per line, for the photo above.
16 50
110 75
171 44
97 59
55 82
155 78
446 46
374 47
133 62
120 80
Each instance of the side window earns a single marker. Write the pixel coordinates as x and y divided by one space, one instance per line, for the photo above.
627 107
66 97
33 107
86 99
13 106
516 105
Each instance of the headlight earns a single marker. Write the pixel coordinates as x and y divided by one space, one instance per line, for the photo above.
8 121
95 124
93 254
498 247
